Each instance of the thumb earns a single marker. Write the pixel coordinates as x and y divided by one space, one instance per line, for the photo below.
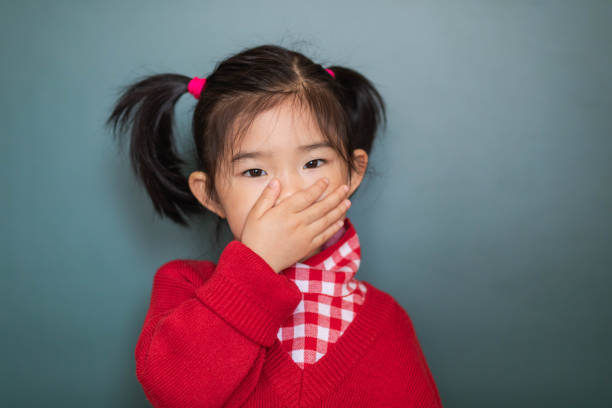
267 198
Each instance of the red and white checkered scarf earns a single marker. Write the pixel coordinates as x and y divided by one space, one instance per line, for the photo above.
331 297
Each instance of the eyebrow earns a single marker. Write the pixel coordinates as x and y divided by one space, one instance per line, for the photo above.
254 155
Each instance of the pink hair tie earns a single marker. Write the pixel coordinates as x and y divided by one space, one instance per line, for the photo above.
196 86
331 72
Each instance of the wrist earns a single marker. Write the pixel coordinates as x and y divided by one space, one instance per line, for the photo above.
264 256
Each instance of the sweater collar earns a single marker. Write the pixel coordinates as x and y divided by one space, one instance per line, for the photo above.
332 270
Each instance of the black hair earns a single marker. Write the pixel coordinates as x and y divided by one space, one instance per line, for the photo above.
347 107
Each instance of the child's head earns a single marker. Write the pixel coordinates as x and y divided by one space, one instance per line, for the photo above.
265 99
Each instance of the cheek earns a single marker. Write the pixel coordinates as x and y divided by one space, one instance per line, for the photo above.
337 176
240 204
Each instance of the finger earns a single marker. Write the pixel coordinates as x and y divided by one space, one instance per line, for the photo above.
303 198
328 233
337 213
266 199
318 209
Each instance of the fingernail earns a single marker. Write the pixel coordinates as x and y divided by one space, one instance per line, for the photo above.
273 183
345 188
325 180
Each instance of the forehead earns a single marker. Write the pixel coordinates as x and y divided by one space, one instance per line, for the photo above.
284 126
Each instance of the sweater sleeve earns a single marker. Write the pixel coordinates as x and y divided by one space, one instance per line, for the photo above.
206 332
423 387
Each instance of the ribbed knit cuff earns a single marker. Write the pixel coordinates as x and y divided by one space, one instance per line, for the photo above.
246 292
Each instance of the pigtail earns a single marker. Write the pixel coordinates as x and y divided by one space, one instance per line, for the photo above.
148 107
363 104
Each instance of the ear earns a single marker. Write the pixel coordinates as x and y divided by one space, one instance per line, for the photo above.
360 157
197 185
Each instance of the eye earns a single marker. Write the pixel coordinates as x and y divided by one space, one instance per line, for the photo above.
252 172
315 160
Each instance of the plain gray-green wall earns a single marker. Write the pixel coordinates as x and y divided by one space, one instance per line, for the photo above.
488 216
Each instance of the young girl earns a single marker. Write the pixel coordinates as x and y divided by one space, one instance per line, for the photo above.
280 320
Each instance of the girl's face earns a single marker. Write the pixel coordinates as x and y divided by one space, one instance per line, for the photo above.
285 143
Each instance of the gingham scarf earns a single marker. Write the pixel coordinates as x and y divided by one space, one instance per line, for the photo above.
330 301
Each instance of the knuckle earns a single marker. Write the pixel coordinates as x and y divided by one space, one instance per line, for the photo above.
298 223
338 198
329 218
297 197
339 209
313 194
299 201
326 208
308 195
294 224
320 210
318 187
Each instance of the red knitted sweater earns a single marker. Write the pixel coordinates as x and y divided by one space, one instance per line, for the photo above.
210 340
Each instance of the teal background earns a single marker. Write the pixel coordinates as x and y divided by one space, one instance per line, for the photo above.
487 215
